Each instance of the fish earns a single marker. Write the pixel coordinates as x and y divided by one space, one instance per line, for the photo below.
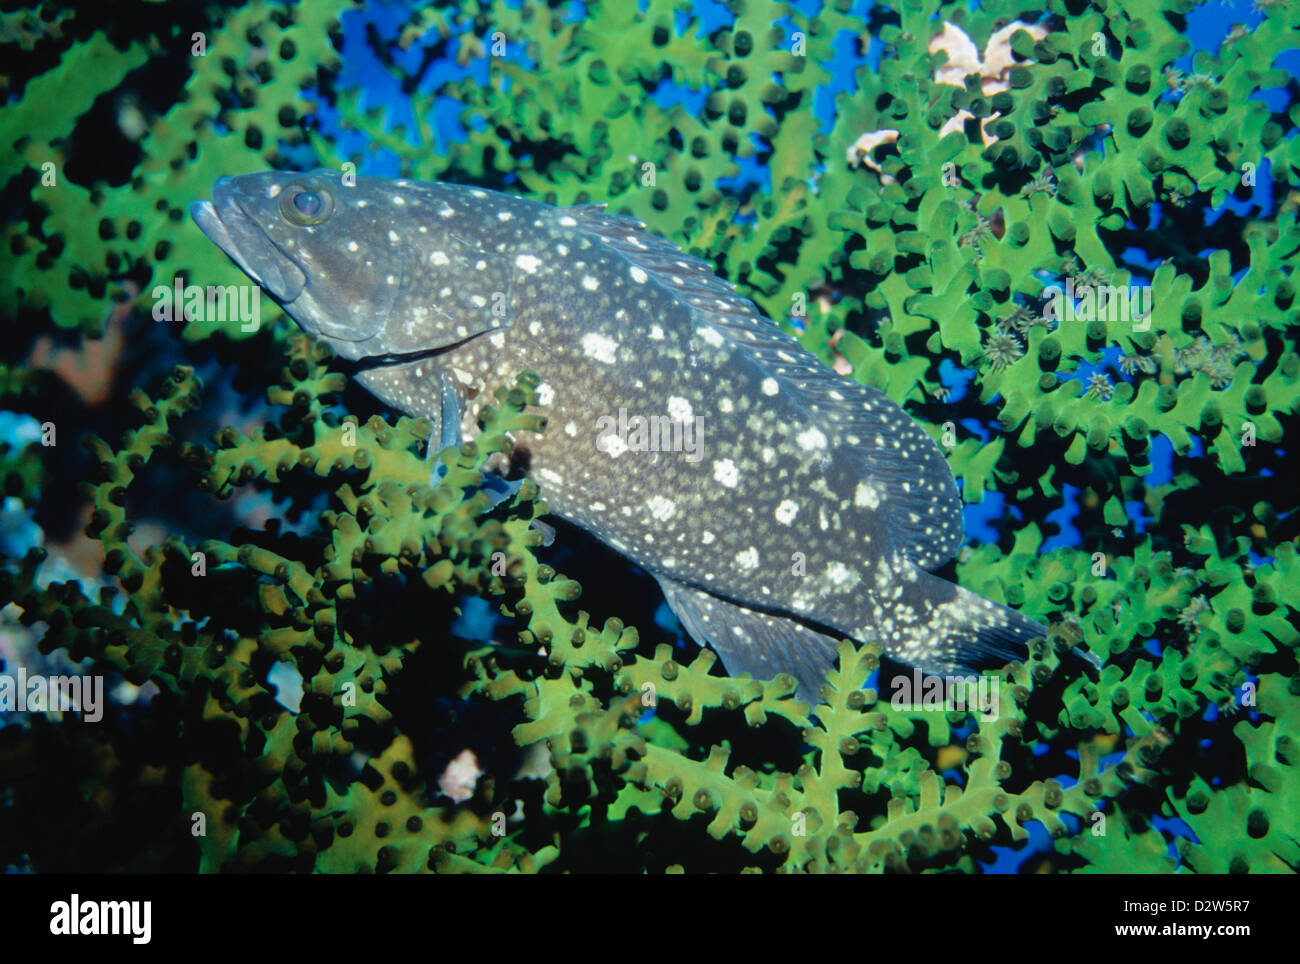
781 507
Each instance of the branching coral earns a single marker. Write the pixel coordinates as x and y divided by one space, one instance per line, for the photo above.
285 803
76 246
292 801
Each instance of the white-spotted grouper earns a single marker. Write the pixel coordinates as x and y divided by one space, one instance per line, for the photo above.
807 508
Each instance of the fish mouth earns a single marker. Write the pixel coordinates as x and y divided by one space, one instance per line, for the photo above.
229 226
394 359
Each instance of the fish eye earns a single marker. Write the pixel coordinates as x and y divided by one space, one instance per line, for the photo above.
304 205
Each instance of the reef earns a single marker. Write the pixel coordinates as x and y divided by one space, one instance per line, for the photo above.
917 239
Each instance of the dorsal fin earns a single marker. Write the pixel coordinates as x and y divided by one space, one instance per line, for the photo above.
904 472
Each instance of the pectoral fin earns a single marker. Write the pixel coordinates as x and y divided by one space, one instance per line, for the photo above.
446 424
449 417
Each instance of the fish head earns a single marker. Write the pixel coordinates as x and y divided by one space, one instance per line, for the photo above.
343 258
288 232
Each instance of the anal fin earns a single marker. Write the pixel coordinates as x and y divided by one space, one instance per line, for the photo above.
753 642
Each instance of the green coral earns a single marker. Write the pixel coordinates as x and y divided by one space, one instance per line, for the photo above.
280 805
930 284
79 247
582 695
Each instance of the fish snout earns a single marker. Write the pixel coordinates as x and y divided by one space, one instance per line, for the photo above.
233 227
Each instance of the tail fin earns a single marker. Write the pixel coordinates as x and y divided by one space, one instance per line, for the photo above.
959 631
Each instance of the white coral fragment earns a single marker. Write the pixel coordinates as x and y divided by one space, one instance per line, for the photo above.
963 59
860 151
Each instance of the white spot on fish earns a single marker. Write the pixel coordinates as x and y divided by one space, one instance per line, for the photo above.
679 409
724 470
710 336
545 393
568 222
504 215
638 275
726 406
392 237
707 538
866 494
599 347
546 475
656 333
748 559
439 258
661 508
786 511
611 445
811 439
838 574
769 386
526 262
590 283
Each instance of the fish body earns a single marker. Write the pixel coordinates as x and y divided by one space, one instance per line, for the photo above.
779 505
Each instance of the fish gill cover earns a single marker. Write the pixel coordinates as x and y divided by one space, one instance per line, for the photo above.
1061 234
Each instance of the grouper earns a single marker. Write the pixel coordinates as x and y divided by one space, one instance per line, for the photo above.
780 506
